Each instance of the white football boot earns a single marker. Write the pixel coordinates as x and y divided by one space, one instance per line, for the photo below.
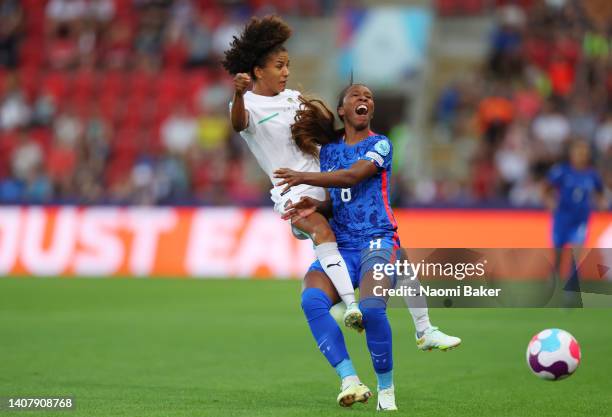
353 318
353 392
386 400
433 338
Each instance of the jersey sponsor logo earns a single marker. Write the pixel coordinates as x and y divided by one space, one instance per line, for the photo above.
382 147
265 119
376 157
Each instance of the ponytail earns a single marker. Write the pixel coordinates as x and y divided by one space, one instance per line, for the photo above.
314 126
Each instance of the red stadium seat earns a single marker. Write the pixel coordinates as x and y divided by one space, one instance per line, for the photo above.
42 136
3 80
8 141
126 143
195 83
175 55
30 53
140 83
56 83
169 85
84 82
112 83
29 80
34 11
117 170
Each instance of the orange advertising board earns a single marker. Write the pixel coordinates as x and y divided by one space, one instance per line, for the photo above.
229 242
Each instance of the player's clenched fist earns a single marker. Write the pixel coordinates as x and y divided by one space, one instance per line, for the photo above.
241 82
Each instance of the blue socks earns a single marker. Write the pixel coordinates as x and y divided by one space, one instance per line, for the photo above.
385 380
345 369
316 305
378 336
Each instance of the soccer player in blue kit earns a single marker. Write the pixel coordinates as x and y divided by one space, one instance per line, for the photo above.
571 191
356 167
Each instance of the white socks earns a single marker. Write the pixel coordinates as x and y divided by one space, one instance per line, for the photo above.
418 307
335 268
420 316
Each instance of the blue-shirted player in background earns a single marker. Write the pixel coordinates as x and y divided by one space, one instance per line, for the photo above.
573 189
356 167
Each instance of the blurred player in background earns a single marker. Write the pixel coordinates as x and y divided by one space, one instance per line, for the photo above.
263 117
356 167
573 189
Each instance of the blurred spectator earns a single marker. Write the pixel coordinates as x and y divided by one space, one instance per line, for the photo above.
14 110
178 131
100 11
603 136
27 157
198 36
68 128
63 49
37 187
505 59
494 114
223 35
11 17
65 12
551 129
43 110
212 130
116 47
583 121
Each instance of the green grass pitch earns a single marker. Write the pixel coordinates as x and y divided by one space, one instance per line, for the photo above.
127 347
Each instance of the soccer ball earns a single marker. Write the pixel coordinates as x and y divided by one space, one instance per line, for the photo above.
553 354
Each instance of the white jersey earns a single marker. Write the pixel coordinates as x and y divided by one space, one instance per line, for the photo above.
268 136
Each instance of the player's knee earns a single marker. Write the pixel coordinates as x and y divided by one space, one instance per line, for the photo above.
323 233
373 309
315 302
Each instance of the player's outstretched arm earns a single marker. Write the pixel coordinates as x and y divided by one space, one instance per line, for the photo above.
239 115
343 178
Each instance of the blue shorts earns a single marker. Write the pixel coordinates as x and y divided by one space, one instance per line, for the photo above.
569 231
361 260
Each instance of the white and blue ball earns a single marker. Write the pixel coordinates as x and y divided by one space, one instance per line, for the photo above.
553 354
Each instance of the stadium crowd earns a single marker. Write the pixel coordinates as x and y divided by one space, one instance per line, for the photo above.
123 102
547 81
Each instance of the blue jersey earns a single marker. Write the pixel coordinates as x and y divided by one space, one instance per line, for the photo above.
361 213
576 189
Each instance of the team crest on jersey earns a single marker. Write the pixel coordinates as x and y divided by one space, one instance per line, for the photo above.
290 100
382 147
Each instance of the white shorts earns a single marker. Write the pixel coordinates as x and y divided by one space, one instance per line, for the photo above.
294 195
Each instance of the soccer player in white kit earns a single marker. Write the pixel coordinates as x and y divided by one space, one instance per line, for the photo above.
263 117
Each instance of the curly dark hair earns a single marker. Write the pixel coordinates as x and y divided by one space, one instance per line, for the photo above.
260 38
314 125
